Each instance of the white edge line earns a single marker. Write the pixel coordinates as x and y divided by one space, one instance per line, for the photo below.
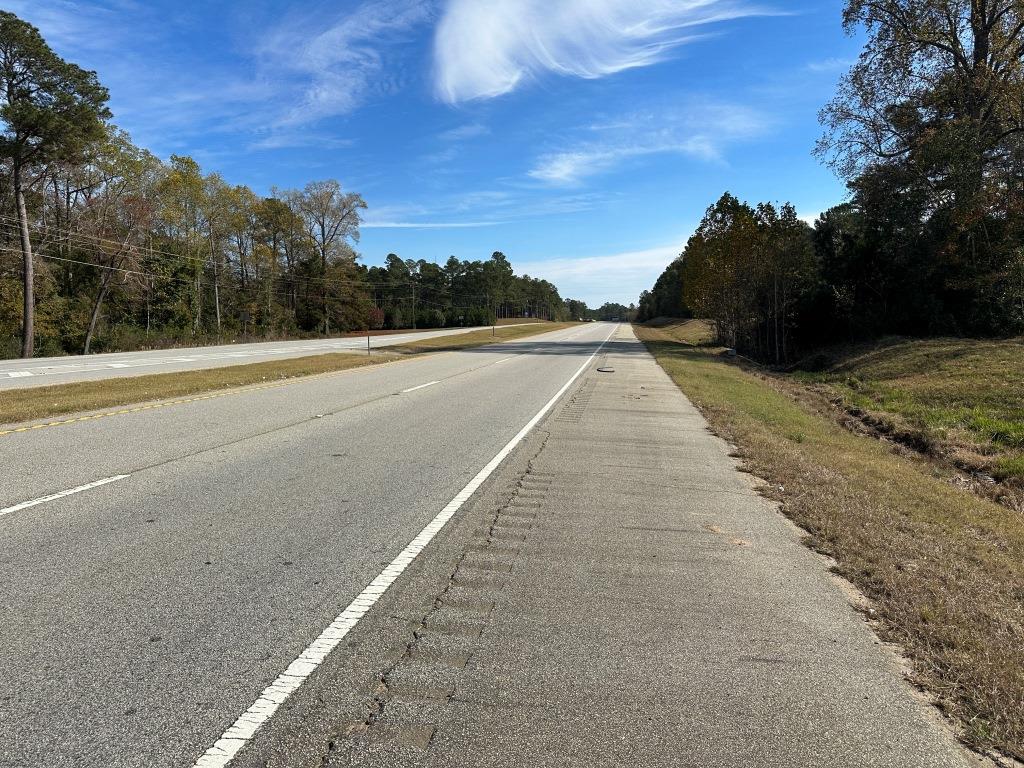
244 728
61 495
421 386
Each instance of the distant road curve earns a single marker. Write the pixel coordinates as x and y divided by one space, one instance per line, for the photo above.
41 371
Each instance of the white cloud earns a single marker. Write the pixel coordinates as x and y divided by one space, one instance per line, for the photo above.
830 65
701 131
485 49
564 168
428 224
338 67
596 279
463 132
299 139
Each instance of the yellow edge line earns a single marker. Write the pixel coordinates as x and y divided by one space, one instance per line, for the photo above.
183 401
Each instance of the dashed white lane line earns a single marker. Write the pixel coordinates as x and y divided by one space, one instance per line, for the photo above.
245 727
61 494
18 374
503 360
421 386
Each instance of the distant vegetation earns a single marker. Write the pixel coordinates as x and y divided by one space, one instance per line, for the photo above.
103 246
927 129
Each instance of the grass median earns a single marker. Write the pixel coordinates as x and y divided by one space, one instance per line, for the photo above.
478 338
29 404
943 566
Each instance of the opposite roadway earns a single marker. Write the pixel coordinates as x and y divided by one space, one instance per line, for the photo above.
41 371
492 557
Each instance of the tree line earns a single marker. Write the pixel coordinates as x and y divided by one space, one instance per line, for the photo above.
927 130
105 246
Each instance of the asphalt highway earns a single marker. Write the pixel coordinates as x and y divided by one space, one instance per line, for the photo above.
140 617
42 371
278 577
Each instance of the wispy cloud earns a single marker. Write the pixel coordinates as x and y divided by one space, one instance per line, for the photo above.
485 49
69 24
342 64
464 132
700 131
571 167
830 65
299 139
595 279
429 224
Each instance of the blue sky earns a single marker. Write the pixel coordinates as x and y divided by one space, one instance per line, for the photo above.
584 138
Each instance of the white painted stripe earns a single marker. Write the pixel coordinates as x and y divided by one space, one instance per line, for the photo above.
503 360
61 495
118 365
19 374
245 727
421 386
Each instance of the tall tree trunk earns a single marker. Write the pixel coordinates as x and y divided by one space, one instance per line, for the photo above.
104 285
28 321
323 265
776 314
216 296
216 284
198 300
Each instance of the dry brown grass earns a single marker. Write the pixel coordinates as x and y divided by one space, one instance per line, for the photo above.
42 402
20 405
695 332
519 320
943 567
478 338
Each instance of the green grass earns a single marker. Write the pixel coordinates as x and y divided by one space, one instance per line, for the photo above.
943 566
965 396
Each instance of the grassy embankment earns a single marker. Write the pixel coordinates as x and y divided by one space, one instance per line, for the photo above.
961 400
943 566
20 405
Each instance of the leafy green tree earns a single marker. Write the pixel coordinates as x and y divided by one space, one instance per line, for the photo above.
932 108
120 214
332 220
183 198
576 309
50 109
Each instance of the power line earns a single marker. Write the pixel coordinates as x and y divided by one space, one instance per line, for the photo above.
95 241
280 293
